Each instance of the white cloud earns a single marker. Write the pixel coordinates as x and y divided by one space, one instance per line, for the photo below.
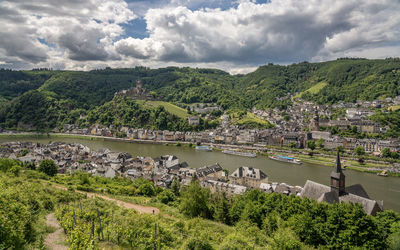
279 31
72 30
86 34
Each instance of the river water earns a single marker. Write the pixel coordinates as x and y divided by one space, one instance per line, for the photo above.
379 188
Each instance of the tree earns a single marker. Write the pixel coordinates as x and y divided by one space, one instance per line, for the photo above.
311 145
394 237
386 152
394 155
221 213
359 150
195 201
340 149
175 186
48 167
320 143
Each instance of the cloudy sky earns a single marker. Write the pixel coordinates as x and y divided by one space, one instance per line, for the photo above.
236 36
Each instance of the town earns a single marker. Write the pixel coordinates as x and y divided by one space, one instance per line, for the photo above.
164 169
293 127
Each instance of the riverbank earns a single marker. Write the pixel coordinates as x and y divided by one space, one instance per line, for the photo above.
369 166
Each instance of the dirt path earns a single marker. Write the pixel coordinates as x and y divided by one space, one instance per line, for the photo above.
139 208
54 240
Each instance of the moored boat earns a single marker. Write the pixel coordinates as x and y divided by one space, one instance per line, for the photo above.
239 153
285 159
203 148
383 173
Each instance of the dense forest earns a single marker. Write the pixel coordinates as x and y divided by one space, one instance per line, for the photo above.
191 217
27 98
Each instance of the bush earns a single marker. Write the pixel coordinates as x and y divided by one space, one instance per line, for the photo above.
48 167
15 170
144 187
285 239
197 243
6 164
166 196
235 241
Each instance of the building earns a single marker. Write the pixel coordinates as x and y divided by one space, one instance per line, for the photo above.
314 125
338 192
227 188
214 172
193 120
137 93
293 138
249 177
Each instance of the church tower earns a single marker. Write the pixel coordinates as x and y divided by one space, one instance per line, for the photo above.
314 126
338 178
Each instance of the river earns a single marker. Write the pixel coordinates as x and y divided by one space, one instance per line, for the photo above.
379 188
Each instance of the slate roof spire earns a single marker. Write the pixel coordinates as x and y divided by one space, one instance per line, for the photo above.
338 178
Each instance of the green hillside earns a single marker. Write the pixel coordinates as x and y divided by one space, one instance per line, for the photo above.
313 90
171 108
64 92
190 217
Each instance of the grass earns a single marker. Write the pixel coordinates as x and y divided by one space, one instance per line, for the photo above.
171 108
394 108
314 89
252 120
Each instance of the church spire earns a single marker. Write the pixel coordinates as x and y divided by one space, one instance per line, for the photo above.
338 165
338 178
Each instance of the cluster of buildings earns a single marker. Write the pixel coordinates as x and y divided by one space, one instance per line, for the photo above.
72 157
137 93
164 169
232 135
293 127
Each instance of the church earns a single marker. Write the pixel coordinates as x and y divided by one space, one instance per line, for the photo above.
338 192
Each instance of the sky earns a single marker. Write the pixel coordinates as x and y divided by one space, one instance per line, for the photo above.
236 36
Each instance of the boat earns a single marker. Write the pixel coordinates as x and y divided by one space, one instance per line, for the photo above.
285 159
203 148
383 173
239 153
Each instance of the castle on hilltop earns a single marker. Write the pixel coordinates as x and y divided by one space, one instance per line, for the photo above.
137 93
338 192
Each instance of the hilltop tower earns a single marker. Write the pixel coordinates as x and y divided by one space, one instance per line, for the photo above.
139 84
338 178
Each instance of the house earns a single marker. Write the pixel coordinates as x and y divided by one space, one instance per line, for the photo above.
214 172
341 124
225 121
170 160
296 138
193 120
338 192
366 126
321 135
169 136
228 188
248 176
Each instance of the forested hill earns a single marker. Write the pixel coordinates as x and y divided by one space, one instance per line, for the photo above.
62 92
342 80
